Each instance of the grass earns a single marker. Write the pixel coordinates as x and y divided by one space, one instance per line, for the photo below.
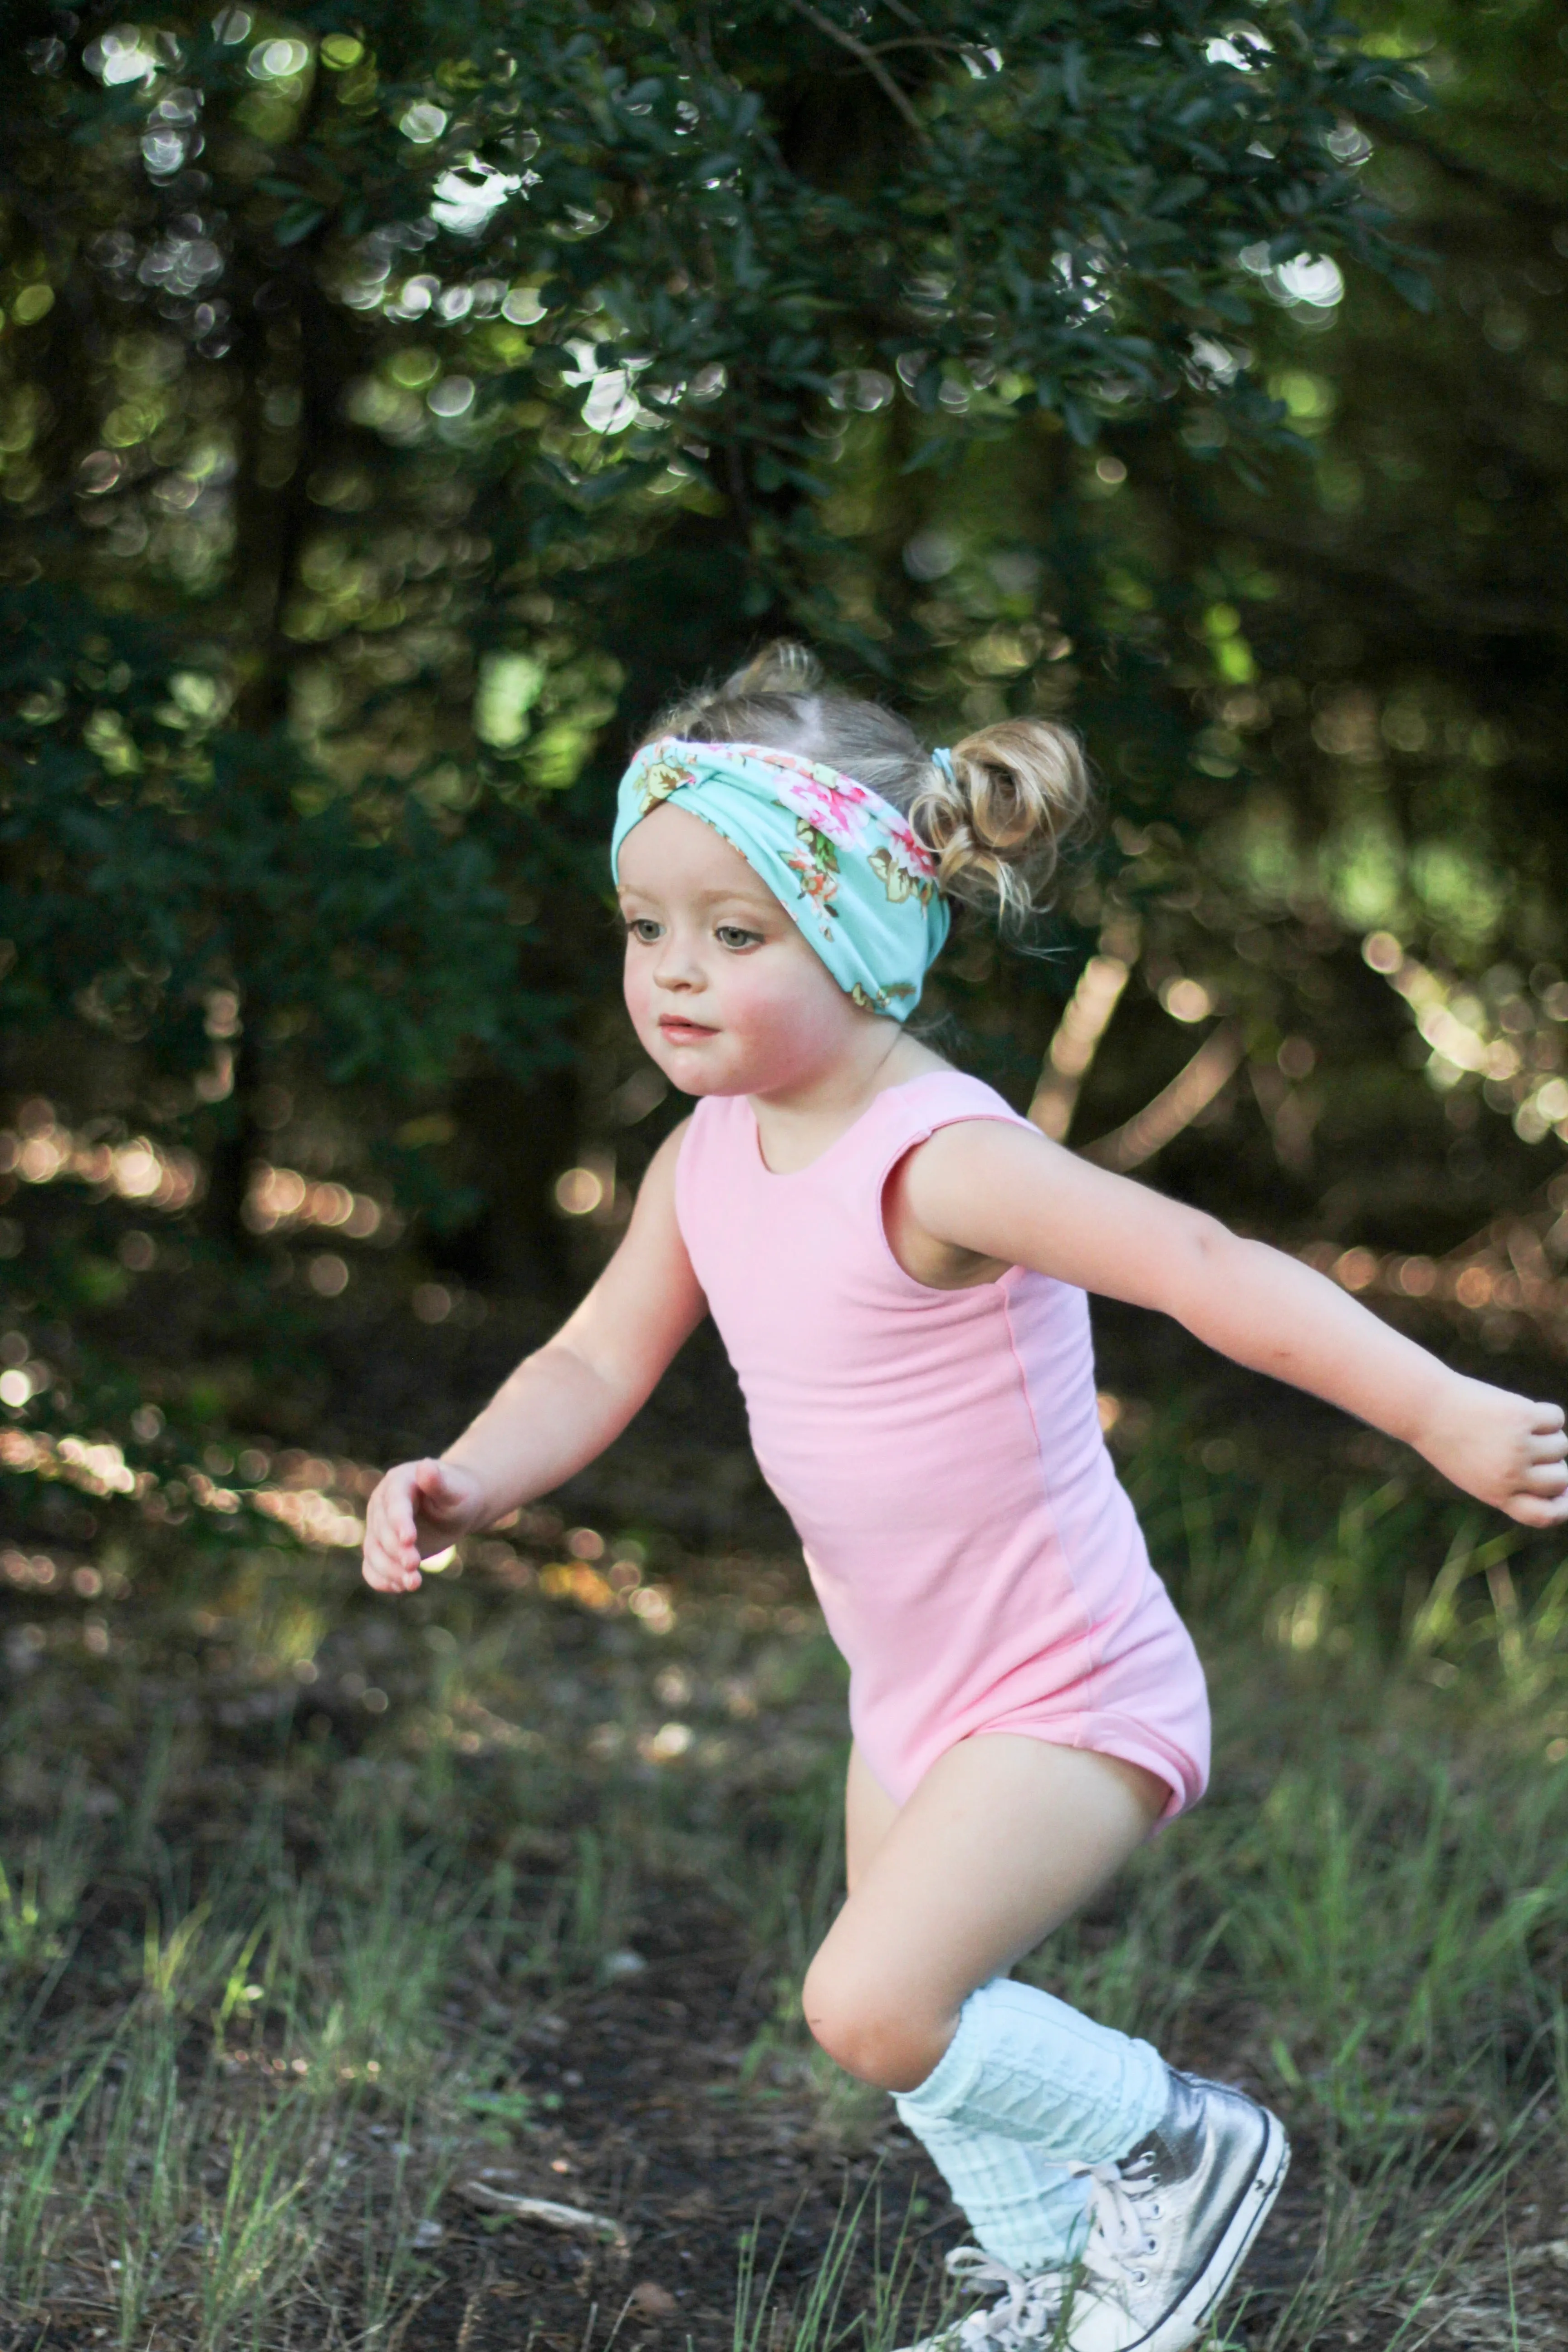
185 2125
292 1883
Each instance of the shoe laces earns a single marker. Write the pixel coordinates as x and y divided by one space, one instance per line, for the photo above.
1122 2201
1026 2314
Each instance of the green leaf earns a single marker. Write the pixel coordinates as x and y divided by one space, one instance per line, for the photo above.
298 223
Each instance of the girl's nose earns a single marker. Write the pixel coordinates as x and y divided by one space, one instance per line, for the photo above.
676 967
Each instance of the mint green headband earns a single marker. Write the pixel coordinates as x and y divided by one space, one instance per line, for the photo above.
860 885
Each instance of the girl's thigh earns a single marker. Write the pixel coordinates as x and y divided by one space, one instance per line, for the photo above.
868 1814
1005 1838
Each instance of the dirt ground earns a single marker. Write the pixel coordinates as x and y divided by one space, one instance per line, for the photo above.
652 2126
654 2133
657 2099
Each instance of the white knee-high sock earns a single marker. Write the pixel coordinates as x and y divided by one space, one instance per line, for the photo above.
1031 2214
1026 2087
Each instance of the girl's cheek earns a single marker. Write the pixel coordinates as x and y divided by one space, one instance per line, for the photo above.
781 1001
637 991
738 1001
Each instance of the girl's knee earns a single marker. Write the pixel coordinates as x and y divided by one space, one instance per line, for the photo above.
868 2031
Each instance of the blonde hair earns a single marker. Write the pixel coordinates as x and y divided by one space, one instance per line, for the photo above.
1018 789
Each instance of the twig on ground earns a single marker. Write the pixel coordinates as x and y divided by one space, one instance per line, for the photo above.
574 2219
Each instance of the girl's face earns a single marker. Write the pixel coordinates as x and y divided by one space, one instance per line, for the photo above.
724 993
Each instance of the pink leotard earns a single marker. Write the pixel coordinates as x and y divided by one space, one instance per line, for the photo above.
940 1452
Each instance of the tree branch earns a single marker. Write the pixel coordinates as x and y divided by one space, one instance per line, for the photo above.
1081 1029
1475 176
924 41
1175 1106
879 73
1513 617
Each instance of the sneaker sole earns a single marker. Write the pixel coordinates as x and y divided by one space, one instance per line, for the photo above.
1184 2323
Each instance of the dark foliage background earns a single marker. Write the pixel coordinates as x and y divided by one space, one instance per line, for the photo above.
396 403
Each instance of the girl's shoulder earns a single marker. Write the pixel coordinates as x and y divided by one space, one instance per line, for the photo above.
943 1097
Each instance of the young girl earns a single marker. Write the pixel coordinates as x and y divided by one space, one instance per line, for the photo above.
897 1265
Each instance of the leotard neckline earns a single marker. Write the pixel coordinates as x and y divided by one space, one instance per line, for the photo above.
788 1175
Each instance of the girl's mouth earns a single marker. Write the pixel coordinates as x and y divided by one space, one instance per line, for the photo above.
681 1031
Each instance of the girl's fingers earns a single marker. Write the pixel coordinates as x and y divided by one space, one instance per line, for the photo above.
382 1558
1540 1510
390 1575
392 1548
1550 1447
383 1561
1546 1477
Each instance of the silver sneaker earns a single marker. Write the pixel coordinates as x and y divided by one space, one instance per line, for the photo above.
1172 2221
1027 2318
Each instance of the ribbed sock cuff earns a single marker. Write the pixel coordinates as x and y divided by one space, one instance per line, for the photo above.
1024 2066
955 2075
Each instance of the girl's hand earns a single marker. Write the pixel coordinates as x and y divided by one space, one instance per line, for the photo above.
1501 1448
418 1508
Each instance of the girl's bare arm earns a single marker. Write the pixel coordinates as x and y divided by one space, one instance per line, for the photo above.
1009 1195
562 1406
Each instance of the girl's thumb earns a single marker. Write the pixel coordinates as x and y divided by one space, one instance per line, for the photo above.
431 1480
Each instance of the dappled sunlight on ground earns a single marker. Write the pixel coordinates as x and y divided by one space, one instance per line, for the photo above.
331 1927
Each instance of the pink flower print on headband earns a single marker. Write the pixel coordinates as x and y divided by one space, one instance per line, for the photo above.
815 866
835 809
838 808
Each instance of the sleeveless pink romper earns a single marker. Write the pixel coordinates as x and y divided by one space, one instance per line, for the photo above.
940 1452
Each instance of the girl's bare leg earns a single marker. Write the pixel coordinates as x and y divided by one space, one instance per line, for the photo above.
1005 1838
868 1814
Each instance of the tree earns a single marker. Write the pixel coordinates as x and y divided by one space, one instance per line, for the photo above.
1362 876
392 396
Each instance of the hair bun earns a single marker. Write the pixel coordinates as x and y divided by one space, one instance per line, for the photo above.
782 668
996 814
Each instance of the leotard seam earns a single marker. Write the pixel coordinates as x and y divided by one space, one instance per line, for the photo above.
1093 1631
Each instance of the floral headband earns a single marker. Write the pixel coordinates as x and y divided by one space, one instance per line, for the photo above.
858 883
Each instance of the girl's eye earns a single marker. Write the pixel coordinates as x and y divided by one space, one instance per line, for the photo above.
644 928
731 935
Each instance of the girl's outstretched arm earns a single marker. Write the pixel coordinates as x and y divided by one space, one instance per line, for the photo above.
560 1407
1012 1197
